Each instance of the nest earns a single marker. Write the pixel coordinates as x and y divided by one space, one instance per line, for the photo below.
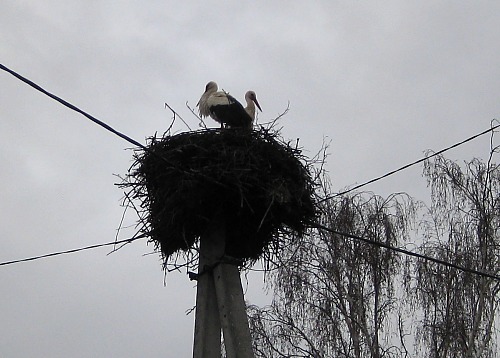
260 188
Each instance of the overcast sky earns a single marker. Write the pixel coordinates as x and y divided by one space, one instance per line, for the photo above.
380 81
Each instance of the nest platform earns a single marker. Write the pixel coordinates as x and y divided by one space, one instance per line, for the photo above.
261 187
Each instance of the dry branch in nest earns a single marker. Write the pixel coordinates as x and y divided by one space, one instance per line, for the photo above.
261 187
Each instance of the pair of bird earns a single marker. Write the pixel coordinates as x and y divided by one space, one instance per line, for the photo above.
225 109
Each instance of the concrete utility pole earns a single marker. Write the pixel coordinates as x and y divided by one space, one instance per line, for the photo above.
219 302
207 328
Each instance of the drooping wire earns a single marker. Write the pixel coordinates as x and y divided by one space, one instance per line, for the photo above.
406 252
136 143
73 107
316 225
125 241
411 164
92 118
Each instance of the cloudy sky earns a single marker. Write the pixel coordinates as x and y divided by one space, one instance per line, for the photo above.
380 81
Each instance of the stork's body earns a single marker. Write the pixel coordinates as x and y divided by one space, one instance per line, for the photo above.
210 89
225 109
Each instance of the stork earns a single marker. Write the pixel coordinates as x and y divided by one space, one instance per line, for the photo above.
251 99
202 105
225 109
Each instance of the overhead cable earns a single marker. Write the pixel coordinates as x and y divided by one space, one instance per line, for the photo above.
411 164
406 252
125 241
73 107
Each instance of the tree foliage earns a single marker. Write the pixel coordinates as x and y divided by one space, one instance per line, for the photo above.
338 297
462 226
334 296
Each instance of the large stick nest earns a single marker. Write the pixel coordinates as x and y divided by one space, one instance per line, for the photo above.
260 187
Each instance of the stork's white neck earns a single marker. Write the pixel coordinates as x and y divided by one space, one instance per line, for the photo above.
250 108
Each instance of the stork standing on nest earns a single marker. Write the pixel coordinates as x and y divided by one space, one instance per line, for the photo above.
251 99
225 109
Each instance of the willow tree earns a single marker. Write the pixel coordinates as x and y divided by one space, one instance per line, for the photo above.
335 297
462 227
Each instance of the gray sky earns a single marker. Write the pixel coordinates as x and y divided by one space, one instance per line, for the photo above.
383 81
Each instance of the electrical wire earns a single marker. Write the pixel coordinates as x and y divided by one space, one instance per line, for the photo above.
406 252
136 143
33 258
316 225
73 107
92 118
410 164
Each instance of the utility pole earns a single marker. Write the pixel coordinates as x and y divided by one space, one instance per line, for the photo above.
219 302
236 192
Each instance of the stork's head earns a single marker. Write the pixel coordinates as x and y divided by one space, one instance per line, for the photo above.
251 96
211 87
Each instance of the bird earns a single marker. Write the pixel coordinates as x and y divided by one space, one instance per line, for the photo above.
210 89
251 99
225 109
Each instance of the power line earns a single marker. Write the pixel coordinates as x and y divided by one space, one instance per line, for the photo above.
136 143
92 118
406 252
411 164
73 107
125 241
316 225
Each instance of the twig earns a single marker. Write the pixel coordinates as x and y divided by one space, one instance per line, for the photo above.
202 122
177 114
272 123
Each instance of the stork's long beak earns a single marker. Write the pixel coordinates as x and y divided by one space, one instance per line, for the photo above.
257 104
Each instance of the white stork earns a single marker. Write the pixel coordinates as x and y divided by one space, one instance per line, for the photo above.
210 89
225 109
251 99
